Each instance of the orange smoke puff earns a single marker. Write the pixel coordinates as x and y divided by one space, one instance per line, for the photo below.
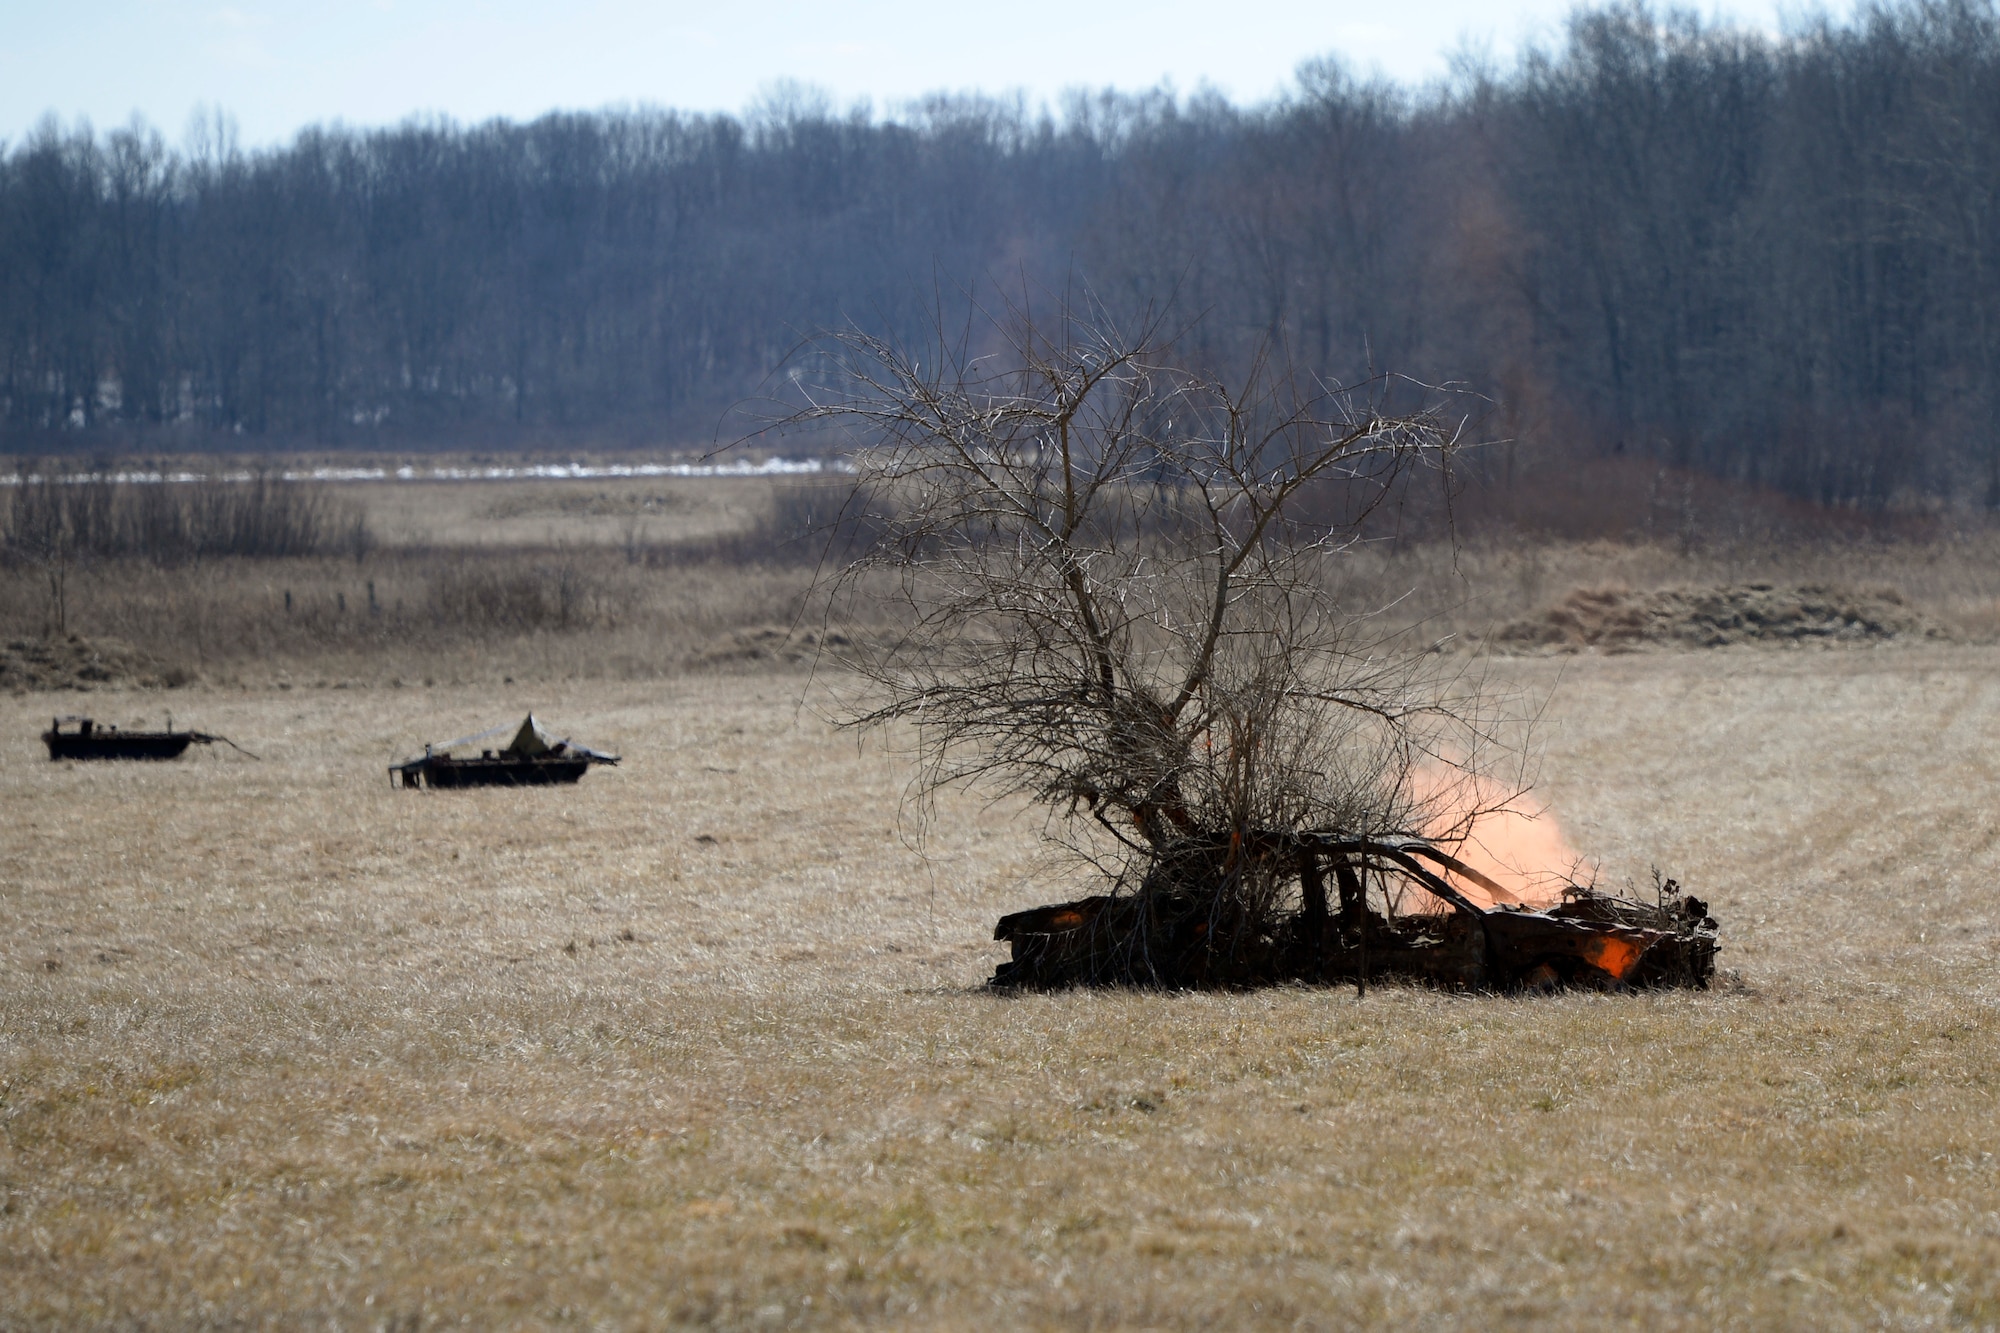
1521 848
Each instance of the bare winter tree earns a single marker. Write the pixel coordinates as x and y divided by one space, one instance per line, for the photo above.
1113 574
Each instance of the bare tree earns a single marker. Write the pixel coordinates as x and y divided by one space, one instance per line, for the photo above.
1113 574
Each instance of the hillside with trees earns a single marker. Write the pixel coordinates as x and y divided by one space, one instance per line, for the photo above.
1773 262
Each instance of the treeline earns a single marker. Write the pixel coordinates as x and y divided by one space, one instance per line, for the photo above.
1775 262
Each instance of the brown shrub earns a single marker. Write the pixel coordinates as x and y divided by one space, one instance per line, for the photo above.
1715 617
558 594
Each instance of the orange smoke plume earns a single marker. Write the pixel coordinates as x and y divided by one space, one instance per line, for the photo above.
1520 847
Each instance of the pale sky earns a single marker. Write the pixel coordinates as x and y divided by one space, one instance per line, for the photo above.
277 65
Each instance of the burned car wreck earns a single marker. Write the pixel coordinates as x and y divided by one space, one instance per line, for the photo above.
90 739
1402 909
535 757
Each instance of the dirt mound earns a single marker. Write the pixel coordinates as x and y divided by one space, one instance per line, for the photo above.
75 663
770 646
1750 613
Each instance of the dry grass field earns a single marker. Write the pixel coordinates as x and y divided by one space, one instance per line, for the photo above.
703 1039
611 512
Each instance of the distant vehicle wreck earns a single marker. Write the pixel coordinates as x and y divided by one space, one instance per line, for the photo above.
533 758
90 739
1395 917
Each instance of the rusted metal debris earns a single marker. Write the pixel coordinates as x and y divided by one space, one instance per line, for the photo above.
534 758
1177 938
89 739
